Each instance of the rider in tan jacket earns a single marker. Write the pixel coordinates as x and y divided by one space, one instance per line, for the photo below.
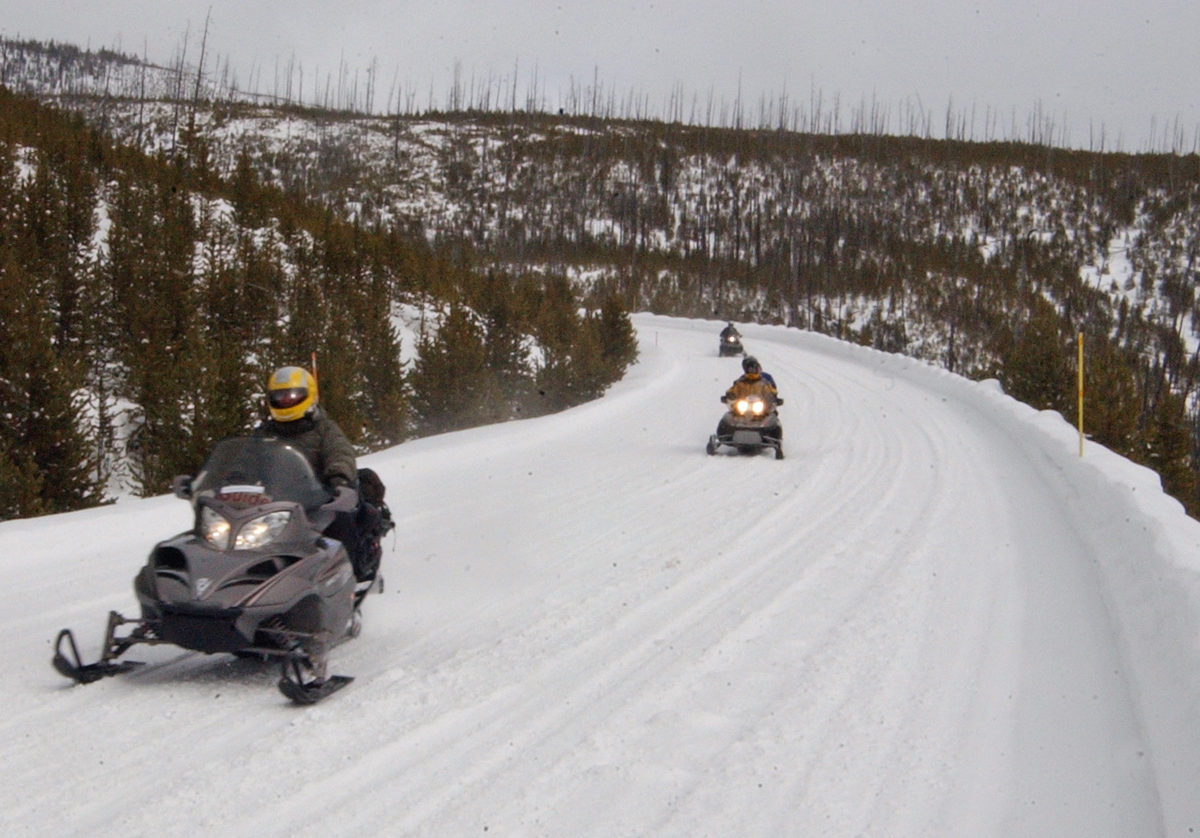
752 383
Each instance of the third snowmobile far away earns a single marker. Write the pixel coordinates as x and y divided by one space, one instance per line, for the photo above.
731 342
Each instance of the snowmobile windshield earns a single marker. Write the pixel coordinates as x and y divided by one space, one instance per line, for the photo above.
266 468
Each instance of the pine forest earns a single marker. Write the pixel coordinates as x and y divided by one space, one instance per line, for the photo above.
164 245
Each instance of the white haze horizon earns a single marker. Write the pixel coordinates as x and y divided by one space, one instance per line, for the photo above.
1098 75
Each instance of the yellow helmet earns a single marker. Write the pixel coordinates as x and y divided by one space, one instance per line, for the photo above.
291 393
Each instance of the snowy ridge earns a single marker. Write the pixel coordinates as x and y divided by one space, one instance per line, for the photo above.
933 618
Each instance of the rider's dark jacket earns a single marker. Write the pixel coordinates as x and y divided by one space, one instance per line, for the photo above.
320 440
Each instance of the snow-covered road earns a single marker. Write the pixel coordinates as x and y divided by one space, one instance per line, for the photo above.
932 619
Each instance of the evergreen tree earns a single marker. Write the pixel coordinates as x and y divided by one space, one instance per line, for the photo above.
452 387
1111 401
557 326
300 316
506 347
246 193
101 342
588 375
1037 364
1167 448
227 392
20 483
618 342
45 446
56 228
386 397
152 241
341 276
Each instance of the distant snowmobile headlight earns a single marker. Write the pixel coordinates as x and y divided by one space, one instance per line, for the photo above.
214 528
262 530
758 407
743 405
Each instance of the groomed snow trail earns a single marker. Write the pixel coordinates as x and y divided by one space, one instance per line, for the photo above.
592 628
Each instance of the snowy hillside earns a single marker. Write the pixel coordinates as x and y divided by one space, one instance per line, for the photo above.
933 619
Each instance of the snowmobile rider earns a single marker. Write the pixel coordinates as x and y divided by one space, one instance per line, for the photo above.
296 419
730 331
753 382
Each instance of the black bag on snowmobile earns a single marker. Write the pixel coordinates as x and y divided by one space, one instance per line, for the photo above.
373 521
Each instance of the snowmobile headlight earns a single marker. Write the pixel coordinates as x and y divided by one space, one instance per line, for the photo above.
214 527
755 406
262 530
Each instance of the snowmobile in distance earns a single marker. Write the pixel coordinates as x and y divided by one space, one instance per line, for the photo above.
731 342
254 576
750 425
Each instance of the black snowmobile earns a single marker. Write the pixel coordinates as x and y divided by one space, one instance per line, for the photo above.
731 343
254 576
750 425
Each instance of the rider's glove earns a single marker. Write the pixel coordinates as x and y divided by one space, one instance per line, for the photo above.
344 499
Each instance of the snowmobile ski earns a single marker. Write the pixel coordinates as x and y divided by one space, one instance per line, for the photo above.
300 690
313 692
68 663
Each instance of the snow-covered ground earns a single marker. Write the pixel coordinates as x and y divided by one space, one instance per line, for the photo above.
934 618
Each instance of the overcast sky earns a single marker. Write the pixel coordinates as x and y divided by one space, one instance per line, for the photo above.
1125 71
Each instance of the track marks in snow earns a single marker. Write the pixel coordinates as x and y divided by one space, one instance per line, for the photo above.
586 614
